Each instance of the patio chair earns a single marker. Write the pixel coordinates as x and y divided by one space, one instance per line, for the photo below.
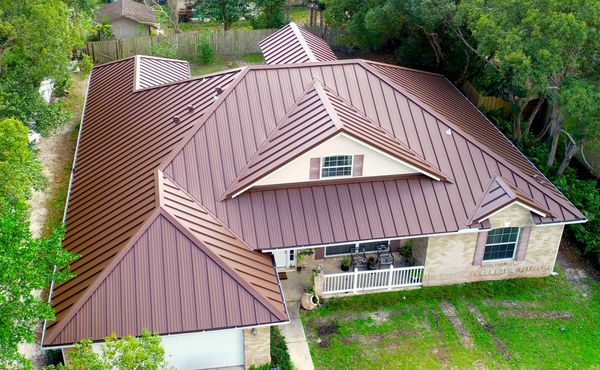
359 258
384 256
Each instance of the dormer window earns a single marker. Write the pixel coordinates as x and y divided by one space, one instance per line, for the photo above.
336 166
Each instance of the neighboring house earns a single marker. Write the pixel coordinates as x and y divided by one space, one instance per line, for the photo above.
127 18
189 194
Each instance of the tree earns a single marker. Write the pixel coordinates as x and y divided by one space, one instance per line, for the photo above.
26 264
270 14
533 45
168 12
226 12
579 104
128 353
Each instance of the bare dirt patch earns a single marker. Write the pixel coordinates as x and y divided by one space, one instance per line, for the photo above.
509 304
578 271
526 314
440 351
500 345
450 313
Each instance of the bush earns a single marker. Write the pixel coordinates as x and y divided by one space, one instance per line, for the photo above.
206 53
164 49
280 356
86 63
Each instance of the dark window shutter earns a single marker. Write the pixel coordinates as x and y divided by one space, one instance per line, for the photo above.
357 165
523 242
315 168
480 248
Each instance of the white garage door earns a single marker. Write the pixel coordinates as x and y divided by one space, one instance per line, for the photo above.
205 350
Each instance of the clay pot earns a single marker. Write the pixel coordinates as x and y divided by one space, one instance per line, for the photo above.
309 301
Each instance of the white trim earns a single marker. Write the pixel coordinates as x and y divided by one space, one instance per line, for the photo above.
183 334
541 214
562 223
321 167
391 157
87 90
493 244
461 231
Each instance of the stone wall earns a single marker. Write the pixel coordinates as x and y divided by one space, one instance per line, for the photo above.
449 258
257 346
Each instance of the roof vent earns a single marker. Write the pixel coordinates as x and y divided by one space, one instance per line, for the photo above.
218 91
190 108
448 132
176 119
539 179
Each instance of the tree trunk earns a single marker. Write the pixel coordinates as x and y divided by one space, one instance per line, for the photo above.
572 148
515 116
536 109
555 127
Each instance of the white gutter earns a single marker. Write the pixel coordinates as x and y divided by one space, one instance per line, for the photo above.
87 90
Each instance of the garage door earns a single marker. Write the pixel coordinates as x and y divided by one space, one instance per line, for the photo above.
205 350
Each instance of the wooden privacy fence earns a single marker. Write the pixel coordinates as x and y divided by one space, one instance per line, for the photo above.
234 42
488 102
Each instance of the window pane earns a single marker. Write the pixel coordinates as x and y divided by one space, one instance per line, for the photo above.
337 165
501 243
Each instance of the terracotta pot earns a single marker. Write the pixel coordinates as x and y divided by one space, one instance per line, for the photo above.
309 301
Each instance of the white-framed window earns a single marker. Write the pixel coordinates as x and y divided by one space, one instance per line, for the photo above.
336 166
501 244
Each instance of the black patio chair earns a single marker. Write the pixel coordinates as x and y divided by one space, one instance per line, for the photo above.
384 256
359 258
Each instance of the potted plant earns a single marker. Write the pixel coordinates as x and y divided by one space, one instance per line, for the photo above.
299 258
346 263
309 300
406 250
371 263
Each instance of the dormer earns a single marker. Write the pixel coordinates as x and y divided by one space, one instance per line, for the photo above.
324 138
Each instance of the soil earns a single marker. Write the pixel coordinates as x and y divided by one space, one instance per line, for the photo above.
578 271
54 152
561 315
440 352
509 304
500 345
450 313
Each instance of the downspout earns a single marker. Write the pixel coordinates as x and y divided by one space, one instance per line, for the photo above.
87 90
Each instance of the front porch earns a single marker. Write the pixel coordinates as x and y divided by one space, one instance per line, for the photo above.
324 273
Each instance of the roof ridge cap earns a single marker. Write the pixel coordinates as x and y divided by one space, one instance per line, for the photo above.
404 68
296 29
218 260
100 278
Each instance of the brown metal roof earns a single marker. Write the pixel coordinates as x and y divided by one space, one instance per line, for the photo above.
220 148
126 9
155 71
318 115
499 195
293 44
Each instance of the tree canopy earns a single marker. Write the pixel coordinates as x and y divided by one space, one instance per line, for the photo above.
226 12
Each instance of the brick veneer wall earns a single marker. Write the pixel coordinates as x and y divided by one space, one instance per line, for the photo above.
257 347
449 258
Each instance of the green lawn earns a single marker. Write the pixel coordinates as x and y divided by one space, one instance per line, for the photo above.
411 330
221 63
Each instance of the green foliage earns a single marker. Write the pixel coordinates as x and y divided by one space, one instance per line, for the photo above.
585 196
27 264
280 356
225 12
20 171
206 54
270 14
128 353
164 49
86 64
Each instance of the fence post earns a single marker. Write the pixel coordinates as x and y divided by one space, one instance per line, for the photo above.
355 281
389 285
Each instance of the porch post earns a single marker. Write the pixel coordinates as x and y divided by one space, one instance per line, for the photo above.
390 277
355 282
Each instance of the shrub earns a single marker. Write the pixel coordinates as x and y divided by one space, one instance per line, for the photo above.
206 53
86 63
280 356
163 49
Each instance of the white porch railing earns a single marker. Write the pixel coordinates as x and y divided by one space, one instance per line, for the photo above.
357 281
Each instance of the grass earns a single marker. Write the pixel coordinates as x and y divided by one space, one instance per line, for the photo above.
298 14
418 335
221 63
